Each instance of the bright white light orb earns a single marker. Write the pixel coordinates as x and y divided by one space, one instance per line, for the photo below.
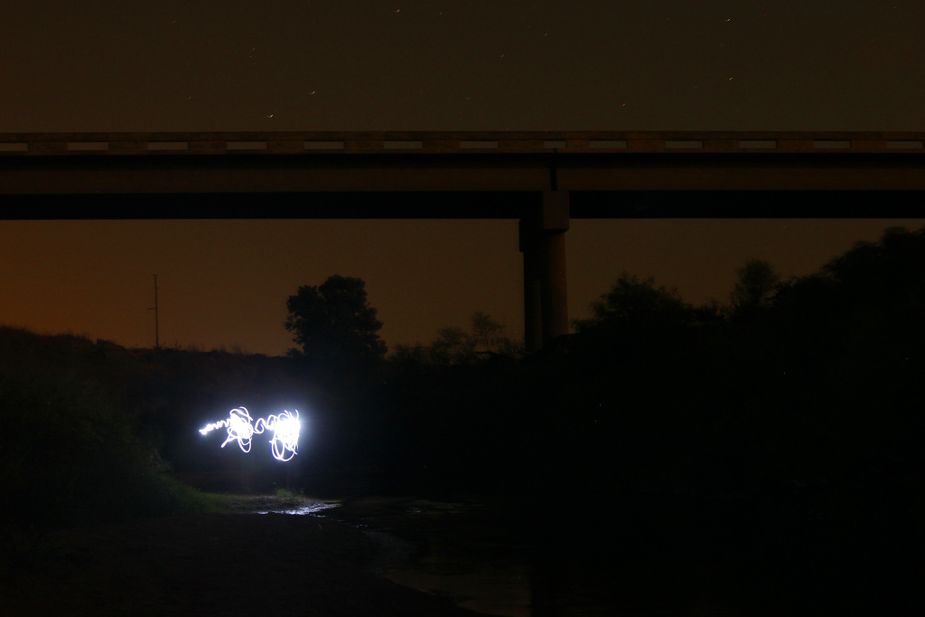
285 428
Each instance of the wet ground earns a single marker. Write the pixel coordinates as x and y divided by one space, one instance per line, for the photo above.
465 551
495 558
471 552
218 564
481 555
360 556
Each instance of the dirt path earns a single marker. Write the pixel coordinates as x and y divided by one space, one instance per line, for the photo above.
222 564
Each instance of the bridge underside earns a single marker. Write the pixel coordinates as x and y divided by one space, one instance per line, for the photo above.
467 205
543 218
542 181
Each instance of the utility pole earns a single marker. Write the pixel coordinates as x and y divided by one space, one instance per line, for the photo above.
157 327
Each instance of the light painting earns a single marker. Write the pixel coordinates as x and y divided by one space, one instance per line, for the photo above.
284 429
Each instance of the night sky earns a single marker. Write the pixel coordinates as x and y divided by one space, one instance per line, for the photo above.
347 65
437 64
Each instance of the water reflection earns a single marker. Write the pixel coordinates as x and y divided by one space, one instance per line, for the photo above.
466 553
305 510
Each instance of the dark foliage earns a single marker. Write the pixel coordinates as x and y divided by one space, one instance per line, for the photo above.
70 451
772 447
754 289
636 301
334 325
454 346
781 445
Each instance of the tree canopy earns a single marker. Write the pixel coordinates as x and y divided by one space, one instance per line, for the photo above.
635 301
754 289
334 324
456 346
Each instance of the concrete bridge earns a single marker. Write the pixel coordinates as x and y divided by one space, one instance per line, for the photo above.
541 179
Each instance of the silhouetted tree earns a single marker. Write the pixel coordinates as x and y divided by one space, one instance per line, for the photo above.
880 283
489 337
411 355
452 346
456 346
485 338
637 301
755 285
888 272
334 325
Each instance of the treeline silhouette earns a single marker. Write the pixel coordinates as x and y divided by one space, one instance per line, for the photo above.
776 437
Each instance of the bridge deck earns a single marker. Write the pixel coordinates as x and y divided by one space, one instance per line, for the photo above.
434 174
542 179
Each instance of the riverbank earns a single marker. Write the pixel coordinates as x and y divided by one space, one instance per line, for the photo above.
204 564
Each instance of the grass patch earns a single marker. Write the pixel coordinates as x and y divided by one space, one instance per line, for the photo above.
186 499
282 500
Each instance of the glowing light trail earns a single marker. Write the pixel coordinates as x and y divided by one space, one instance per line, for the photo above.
240 427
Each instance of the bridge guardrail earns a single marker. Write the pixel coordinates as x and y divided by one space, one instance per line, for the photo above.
236 143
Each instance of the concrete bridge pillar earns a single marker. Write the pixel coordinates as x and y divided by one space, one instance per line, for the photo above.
542 242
